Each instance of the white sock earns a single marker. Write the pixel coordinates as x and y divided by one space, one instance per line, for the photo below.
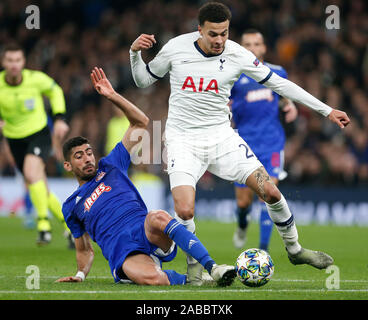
190 226
280 214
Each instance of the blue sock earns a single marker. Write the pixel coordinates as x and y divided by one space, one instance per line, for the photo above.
266 225
175 278
242 216
28 203
189 243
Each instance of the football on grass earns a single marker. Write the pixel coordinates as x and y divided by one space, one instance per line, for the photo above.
254 267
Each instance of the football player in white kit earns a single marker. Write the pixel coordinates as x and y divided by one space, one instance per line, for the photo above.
203 67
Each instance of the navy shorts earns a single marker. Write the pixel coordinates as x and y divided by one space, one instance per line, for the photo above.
132 240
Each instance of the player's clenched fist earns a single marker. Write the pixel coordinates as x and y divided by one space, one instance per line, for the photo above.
339 117
144 41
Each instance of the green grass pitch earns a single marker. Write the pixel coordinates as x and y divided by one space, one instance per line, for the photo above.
348 246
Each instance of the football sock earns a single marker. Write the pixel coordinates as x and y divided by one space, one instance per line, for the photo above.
242 216
190 226
175 278
38 195
266 226
284 221
189 243
28 203
55 208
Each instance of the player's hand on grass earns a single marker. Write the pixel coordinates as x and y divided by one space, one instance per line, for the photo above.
339 117
144 41
69 279
101 83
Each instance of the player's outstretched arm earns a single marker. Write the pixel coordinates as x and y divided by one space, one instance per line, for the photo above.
292 91
84 256
103 86
136 117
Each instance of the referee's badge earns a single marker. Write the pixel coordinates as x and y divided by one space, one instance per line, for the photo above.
29 104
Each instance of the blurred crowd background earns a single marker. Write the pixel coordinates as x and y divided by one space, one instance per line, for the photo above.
75 36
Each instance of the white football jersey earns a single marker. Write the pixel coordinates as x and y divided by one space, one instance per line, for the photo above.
201 84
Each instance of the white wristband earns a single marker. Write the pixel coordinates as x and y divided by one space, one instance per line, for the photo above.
80 274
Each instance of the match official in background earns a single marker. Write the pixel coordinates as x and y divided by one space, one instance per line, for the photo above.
25 128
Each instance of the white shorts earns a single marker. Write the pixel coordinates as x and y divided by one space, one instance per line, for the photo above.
222 152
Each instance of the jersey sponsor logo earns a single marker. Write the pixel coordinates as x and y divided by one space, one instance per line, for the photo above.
95 195
260 94
190 84
100 176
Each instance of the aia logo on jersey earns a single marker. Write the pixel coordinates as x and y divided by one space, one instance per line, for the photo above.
95 195
189 84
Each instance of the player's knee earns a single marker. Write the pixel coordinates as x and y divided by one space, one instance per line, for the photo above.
158 219
185 211
272 193
243 202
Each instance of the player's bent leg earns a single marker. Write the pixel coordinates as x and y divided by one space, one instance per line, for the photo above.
261 183
188 242
141 269
280 214
154 227
183 192
244 198
184 199
265 223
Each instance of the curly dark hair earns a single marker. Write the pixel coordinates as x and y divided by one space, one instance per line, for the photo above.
71 143
213 12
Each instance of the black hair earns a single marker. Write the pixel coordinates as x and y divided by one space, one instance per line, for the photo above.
71 143
251 30
213 12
